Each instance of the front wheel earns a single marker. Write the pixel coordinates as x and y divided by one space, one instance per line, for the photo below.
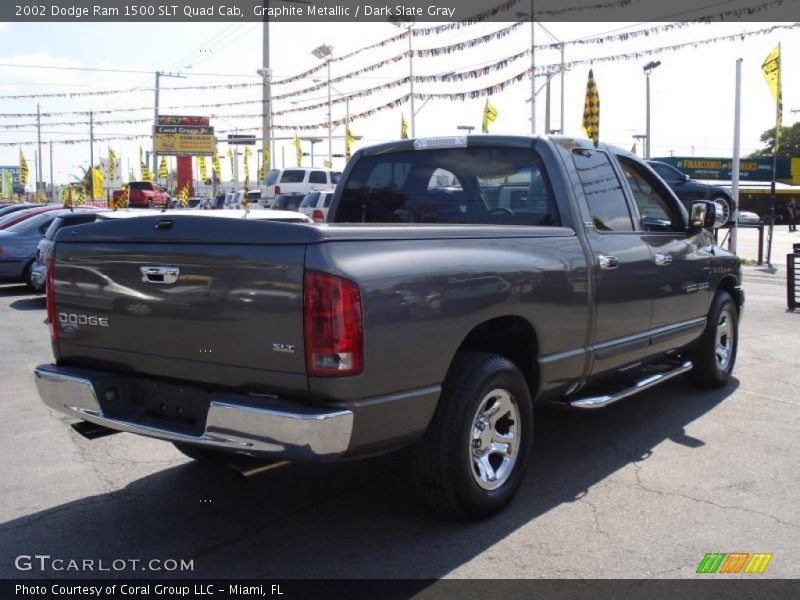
715 354
472 459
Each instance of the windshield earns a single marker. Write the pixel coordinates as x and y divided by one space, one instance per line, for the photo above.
310 200
478 185
140 185
272 177
70 221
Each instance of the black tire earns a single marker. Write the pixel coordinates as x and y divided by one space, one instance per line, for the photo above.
201 455
444 470
722 329
27 276
726 203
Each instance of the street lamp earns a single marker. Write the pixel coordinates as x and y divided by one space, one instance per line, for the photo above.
648 68
326 51
408 26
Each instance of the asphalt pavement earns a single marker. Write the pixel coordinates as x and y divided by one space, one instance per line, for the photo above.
644 488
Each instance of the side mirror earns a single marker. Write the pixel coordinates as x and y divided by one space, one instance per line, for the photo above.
707 215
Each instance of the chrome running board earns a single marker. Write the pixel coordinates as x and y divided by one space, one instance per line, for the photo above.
639 386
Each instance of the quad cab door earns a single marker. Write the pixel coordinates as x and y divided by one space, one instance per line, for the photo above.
682 292
623 265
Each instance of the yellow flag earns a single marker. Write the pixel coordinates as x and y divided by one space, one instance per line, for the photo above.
163 173
97 183
772 73
215 165
348 141
247 155
489 116
23 169
183 196
201 168
403 127
231 159
262 168
298 148
591 110
112 163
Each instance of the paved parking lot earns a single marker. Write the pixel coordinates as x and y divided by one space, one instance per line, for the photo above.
642 489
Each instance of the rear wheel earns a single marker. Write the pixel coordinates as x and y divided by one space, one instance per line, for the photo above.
715 354
472 459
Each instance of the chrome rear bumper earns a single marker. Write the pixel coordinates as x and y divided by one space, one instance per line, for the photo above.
235 423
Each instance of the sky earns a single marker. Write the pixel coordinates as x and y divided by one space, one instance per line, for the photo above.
692 92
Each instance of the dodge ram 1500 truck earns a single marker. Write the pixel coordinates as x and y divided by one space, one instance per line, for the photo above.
458 283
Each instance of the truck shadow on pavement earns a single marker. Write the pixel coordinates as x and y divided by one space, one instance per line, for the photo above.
348 520
13 290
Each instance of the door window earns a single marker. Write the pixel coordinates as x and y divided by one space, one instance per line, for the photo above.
652 202
603 191
293 176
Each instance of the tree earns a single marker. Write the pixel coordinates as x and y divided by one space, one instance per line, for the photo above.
790 142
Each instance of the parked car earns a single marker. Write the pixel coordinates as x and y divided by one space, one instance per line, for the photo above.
316 204
689 191
145 194
420 315
297 180
13 218
10 208
18 244
64 218
748 218
287 202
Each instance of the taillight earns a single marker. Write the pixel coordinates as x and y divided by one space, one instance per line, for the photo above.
277 190
51 299
318 215
333 330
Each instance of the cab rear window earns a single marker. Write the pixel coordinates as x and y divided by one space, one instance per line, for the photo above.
477 185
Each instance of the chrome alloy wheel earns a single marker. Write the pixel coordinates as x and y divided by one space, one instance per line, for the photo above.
495 440
724 340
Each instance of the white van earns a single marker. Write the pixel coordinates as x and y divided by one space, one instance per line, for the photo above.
297 180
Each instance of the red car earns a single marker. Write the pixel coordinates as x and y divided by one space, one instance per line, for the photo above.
20 215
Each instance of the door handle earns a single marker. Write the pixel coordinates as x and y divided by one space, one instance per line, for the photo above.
662 259
608 262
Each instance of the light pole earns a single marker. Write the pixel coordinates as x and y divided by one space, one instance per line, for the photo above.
640 137
266 109
408 25
313 141
326 51
159 75
648 68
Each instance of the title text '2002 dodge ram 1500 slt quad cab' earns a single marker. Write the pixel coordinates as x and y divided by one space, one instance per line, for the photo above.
457 282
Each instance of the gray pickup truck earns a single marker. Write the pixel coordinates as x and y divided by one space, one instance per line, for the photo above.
457 283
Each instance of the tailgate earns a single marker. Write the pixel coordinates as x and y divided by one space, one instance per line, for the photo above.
176 295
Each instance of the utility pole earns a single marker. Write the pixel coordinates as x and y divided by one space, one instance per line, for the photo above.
547 105
563 67
648 68
91 156
52 181
533 74
266 92
737 107
39 144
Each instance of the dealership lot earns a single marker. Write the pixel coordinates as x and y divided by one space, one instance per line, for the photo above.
644 488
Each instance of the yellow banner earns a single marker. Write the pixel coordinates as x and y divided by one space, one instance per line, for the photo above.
97 183
591 110
489 116
771 68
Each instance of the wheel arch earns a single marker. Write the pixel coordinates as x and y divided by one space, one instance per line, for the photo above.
732 285
511 336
